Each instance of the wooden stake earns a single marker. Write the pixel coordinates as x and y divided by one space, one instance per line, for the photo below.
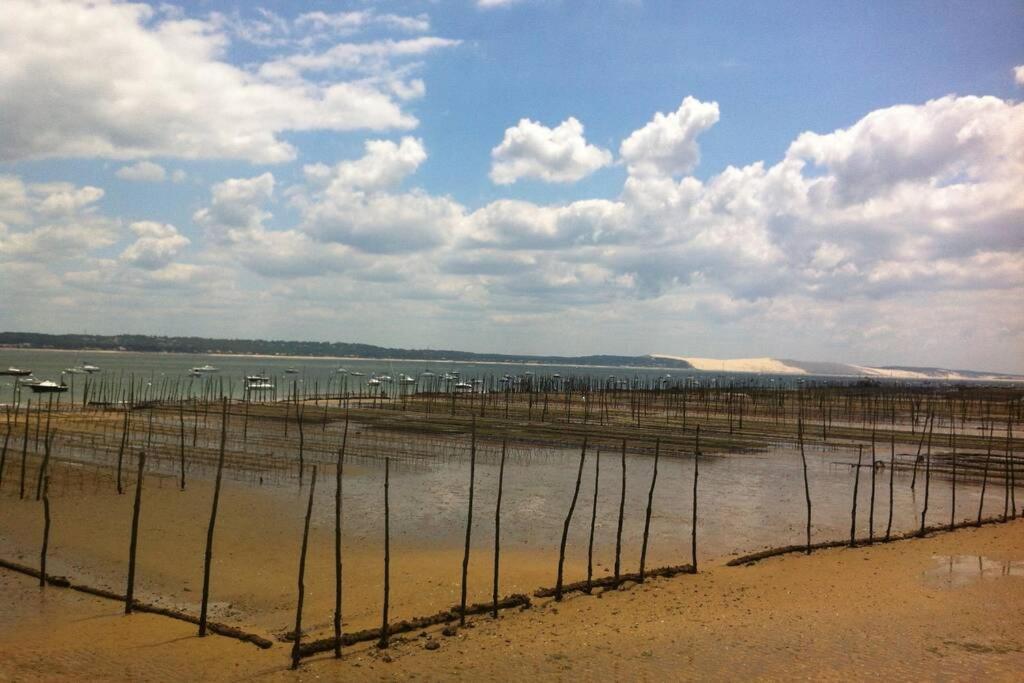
807 485
497 530
46 530
213 520
568 521
856 485
927 474
593 523
469 524
693 521
650 507
133 547
337 542
892 474
297 644
383 642
622 513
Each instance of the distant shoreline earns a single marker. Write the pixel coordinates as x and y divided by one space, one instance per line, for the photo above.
361 359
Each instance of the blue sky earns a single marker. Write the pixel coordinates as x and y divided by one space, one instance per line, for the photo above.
827 181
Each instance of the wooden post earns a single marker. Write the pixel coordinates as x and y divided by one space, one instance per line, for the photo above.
871 512
807 484
469 524
133 547
650 507
44 467
497 529
622 513
7 438
337 541
856 485
927 474
213 519
593 523
383 642
984 474
46 529
693 521
24 451
952 443
917 458
568 521
297 644
120 452
181 441
892 474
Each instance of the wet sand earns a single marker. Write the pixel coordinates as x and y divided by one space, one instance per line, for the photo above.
874 612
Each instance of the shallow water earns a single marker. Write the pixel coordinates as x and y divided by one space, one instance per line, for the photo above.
955 571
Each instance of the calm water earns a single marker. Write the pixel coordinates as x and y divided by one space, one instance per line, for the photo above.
155 368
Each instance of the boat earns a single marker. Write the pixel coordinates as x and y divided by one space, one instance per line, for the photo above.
463 386
76 371
47 387
291 371
356 373
16 372
406 379
342 371
204 368
27 380
265 385
90 368
426 373
373 382
256 378
385 378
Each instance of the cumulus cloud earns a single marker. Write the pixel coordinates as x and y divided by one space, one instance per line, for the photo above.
237 206
142 172
125 82
50 222
384 165
157 245
555 155
667 145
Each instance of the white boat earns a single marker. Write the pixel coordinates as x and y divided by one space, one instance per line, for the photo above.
76 371
373 382
463 386
259 386
426 373
90 368
16 372
385 378
356 373
341 371
406 379
204 368
291 371
47 387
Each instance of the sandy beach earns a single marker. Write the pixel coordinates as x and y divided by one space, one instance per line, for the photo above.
889 611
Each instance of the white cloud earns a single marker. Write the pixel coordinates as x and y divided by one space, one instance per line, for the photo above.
384 165
667 145
125 82
488 4
143 172
346 23
236 207
157 245
555 155
1018 74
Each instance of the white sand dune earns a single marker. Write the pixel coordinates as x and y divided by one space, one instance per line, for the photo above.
771 366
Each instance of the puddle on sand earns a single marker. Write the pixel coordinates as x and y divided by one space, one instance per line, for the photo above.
954 571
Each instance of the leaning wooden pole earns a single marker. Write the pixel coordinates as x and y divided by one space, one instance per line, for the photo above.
129 598
807 483
593 523
650 508
208 561
24 451
297 643
871 512
497 530
469 526
383 642
46 530
337 540
892 474
927 475
568 521
693 520
622 513
856 485
120 452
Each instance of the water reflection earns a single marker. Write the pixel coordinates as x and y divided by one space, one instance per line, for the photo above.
954 571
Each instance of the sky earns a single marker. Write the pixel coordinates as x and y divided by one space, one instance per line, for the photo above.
835 181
